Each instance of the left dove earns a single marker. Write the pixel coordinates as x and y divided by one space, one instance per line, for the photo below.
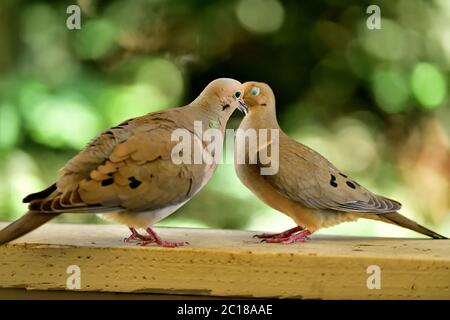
128 174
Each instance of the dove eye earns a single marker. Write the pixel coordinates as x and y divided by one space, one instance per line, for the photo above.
237 94
255 91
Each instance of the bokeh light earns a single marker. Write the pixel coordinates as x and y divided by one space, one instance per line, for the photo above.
9 127
388 43
428 85
96 39
391 89
62 121
126 102
163 75
260 16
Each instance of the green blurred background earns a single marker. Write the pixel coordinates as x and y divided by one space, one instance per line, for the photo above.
374 102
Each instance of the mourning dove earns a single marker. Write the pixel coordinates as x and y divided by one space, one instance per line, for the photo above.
306 187
128 174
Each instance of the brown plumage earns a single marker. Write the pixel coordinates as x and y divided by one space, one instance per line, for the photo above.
127 172
307 187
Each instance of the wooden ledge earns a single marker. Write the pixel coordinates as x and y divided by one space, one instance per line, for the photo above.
226 263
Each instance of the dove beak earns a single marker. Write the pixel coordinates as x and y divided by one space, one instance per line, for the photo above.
242 106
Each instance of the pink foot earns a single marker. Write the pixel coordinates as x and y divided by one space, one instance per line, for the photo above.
283 234
134 235
302 236
154 238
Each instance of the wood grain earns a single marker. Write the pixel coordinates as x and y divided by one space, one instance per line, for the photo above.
226 263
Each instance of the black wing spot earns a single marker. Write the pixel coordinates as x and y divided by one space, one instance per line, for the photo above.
190 186
225 107
351 184
343 175
107 182
134 183
333 181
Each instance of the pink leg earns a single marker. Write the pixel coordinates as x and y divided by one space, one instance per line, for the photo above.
301 236
283 234
134 235
154 238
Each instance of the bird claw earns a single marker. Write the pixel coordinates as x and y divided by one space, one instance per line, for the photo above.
265 235
134 236
154 238
280 235
302 236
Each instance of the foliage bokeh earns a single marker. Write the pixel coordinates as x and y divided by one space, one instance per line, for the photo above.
374 102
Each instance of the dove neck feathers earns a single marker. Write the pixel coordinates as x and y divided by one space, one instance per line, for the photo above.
260 119
211 110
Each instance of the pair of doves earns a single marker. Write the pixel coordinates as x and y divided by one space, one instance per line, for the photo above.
127 174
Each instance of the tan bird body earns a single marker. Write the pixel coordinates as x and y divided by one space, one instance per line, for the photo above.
307 187
127 172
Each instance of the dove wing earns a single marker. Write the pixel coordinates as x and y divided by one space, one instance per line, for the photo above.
307 177
127 167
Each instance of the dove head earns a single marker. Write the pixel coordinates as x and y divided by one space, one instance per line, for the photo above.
223 96
259 97
260 101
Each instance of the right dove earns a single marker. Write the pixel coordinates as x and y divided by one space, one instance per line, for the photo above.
306 187
128 172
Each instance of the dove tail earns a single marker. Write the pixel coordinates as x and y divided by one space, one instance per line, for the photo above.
402 221
28 222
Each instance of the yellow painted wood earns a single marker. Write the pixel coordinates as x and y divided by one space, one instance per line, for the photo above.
226 263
